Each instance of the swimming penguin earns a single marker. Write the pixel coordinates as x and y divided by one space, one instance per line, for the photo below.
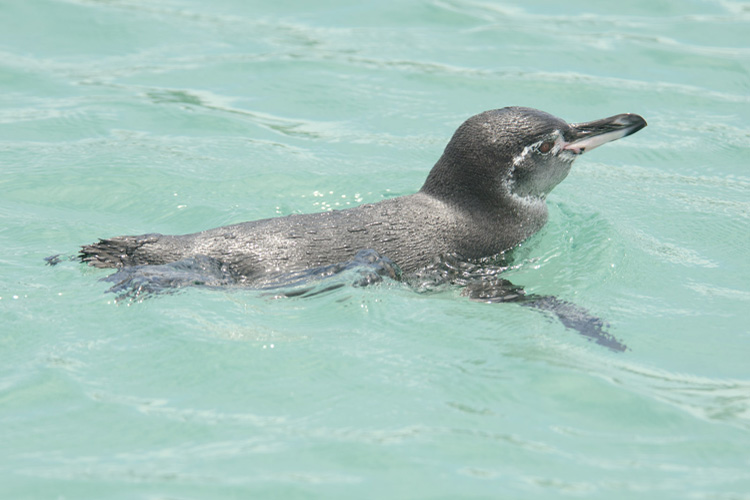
485 195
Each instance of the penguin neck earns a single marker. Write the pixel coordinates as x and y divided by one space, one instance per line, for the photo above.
490 203
459 183
456 181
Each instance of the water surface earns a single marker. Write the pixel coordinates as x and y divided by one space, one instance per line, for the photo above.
135 116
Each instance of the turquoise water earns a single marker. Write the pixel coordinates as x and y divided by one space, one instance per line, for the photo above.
134 116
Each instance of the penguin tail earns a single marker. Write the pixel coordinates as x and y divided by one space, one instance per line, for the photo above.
117 252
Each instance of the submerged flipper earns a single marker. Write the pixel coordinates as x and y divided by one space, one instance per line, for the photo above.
576 318
570 315
481 282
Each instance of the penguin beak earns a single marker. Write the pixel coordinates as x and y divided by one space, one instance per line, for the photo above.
584 137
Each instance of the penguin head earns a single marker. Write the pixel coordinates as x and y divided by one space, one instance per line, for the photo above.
510 153
534 156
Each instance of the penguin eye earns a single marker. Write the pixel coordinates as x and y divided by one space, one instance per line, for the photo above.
546 147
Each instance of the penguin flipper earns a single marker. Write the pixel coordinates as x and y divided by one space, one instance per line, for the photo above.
570 315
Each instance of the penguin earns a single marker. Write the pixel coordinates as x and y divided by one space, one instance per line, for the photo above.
485 195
